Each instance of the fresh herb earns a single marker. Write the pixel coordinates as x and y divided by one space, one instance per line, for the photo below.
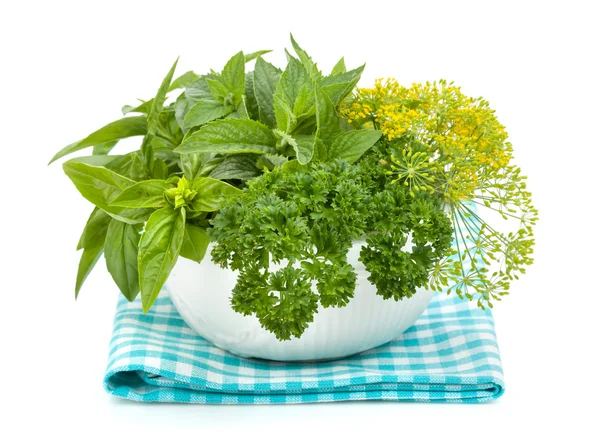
223 129
291 228
440 142
285 170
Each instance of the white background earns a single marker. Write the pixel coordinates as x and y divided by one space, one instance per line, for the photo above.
67 68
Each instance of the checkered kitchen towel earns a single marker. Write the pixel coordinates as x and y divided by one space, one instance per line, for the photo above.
449 355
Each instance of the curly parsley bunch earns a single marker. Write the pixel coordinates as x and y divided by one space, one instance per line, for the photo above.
289 233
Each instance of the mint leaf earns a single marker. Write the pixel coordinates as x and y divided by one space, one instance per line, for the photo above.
339 68
328 124
350 146
307 62
340 85
236 167
253 55
266 77
234 76
205 111
184 80
230 136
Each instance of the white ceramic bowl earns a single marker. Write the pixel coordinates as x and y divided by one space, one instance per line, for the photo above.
201 293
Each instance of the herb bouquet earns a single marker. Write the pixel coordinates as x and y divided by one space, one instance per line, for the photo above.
301 185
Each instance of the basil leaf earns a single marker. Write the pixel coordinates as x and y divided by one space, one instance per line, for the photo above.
211 194
129 165
340 85
95 229
350 146
253 55
100 185
328 124
104 148
205 111
148 193
161 170
153 118
230 136
88 260
117 130
339 68
265 80
92 241
307 62
192 165
195 243
120 252
184 80
234 76
159 248
236 167
143 108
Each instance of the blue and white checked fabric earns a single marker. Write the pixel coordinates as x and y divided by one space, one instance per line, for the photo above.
449 355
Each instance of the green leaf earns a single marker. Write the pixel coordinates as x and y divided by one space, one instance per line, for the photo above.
182 107
129 165
148 193
153 117
95 229
104 148
199 90
253 55
218 90
291 81
211 194
230 136
121 253
236 167
205 111
88 260
159 248
340 85
161 170
350 146
234 76
250 97
327 118
339 68
117 130
191 164
307 62
143 108
100 185
184 80
305 148
159 100
195 243
266 77
286 120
